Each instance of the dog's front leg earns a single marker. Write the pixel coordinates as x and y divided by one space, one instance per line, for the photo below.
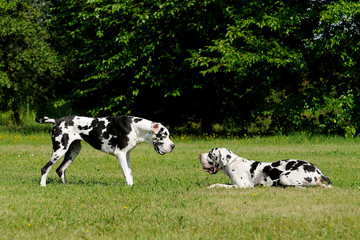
219 185
128 162
122 159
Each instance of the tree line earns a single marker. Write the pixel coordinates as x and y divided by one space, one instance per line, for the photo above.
231 66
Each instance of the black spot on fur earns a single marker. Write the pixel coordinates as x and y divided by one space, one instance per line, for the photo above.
56 145
68 121
228 156
65 140
213 156
275 173
94 137
254 165
106 135
276 164
289 165
309 168
266 170
43 170
136 120
84 127
119 126
298 164
308 179
160 132
56 131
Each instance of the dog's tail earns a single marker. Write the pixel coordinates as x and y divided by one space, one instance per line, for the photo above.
45 120
327 180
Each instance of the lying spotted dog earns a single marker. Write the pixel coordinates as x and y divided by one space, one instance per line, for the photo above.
116 135
246 173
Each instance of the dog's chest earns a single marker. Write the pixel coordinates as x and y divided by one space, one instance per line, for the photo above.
239 169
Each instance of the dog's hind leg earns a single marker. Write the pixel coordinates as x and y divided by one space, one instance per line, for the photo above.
56 155
321 180
291 179
70 155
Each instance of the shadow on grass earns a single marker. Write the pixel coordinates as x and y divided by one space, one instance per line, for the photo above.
79 182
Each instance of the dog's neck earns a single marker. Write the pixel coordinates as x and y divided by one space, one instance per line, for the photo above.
143 130
237 159
232 160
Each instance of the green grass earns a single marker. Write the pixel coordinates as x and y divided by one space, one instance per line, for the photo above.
170 198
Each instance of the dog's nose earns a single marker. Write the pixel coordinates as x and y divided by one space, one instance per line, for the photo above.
172 146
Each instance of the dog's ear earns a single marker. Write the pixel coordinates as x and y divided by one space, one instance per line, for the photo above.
155 127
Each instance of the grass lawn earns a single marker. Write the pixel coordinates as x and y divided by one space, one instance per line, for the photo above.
170 199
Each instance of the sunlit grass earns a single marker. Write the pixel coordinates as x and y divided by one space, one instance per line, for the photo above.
170 198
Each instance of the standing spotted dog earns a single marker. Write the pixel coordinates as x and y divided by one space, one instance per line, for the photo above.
246 173
116 135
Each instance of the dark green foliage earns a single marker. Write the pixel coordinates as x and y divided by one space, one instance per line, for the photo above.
227 66
28 65
296 61
118 51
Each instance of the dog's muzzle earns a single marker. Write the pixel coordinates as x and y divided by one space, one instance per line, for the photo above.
206 166
211 170
162 152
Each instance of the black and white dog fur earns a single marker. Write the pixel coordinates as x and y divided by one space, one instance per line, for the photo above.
116 135
246 173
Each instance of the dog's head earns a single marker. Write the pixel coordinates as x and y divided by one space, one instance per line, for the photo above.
161 139
215 160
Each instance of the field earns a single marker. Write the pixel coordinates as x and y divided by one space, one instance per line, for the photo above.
170 198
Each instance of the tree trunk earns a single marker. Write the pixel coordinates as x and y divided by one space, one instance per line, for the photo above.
16 113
